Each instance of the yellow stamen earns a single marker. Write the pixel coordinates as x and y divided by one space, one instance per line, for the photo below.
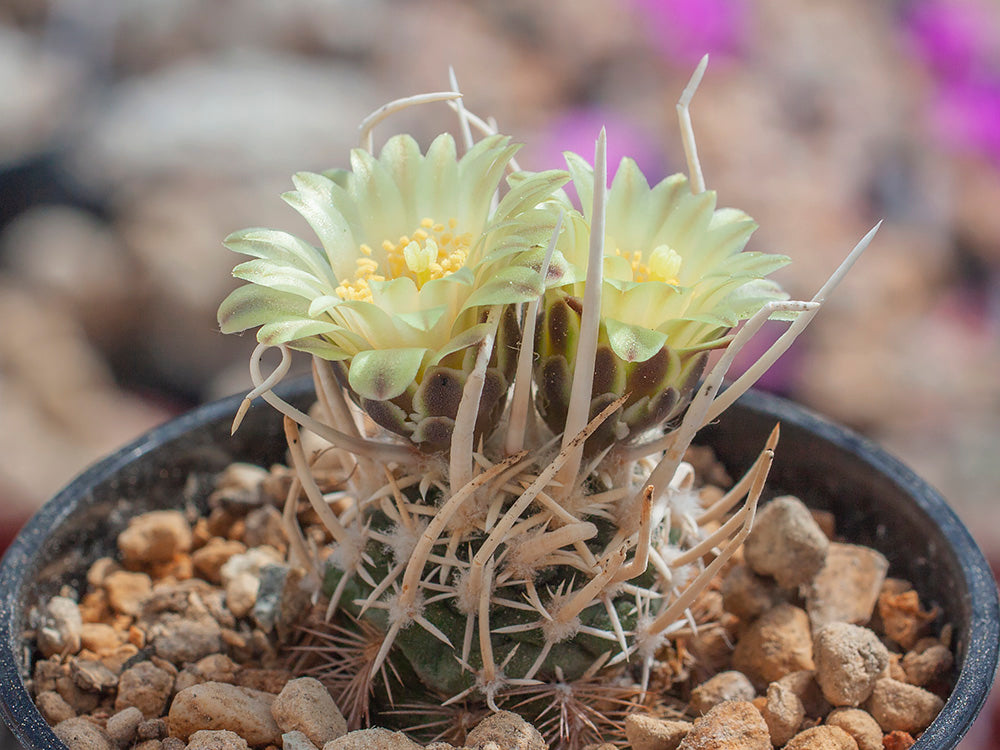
429 253
664 264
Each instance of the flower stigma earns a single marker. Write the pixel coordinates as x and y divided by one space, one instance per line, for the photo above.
433 251
664 264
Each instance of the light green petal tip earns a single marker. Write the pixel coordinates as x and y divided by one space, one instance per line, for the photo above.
633 343
384 374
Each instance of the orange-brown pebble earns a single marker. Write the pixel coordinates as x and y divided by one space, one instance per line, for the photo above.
777 643
179 567
99 637
898 741
137 637
127 591
734 725
210 558
94 606
860 725
822 738
902 618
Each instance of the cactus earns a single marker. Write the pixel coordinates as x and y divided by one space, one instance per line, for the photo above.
523 531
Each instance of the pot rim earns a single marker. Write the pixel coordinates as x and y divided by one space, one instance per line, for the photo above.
971 687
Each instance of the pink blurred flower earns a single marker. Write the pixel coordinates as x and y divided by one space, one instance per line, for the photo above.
685 30
959 43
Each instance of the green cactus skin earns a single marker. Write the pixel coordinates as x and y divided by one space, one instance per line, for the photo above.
437 666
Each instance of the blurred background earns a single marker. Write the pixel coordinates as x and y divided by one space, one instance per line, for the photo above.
135 136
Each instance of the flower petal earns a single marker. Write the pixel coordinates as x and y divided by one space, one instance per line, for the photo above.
382 374
633 343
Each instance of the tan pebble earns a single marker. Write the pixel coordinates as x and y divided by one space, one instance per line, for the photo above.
241 593
783 713
200 533
908 708
922 667
860 725
173 743
127 591
152 729
776 643
82 701
307 706
145 686
508 730
217 668
100 569
265 526
81 734
184 640
115 660
725 686
216 739
53 708
645 732
123 726
298 741
59 627
895 669
92 676
267 680
592 746
151 745
46 672
155 537
373 739
822 738
786 543
803 684
209 559
748 595
849 659
735 725
218 705
847 586
99 637
250 561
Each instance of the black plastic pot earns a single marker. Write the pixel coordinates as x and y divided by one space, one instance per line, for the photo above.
877 501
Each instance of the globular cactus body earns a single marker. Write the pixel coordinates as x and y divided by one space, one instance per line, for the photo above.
525 530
